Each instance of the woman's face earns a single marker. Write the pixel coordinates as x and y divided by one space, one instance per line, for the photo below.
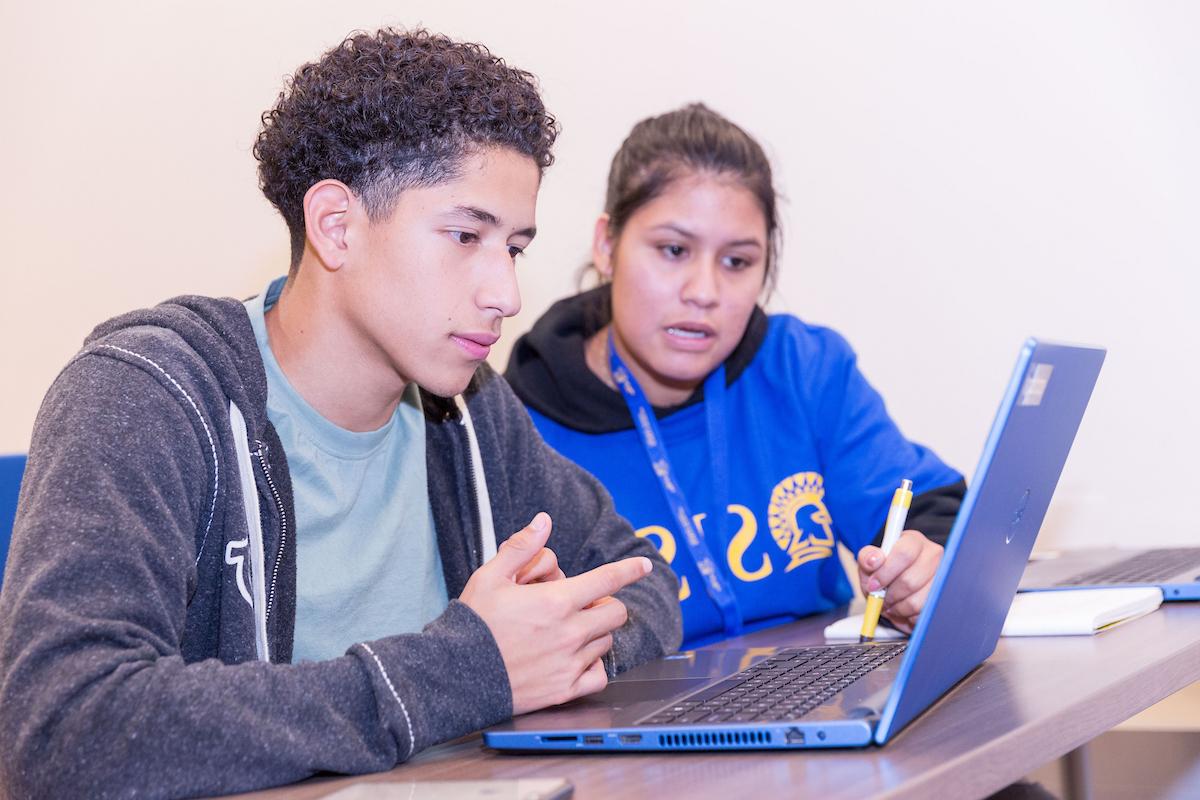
686 272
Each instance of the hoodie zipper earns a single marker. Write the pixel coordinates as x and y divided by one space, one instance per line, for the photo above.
476 559
260 453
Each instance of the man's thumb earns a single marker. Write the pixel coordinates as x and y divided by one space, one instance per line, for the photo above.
517 550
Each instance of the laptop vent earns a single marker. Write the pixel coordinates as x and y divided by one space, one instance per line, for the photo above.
730 738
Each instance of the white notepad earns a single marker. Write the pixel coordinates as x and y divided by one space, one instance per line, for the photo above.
1072 612
1078 612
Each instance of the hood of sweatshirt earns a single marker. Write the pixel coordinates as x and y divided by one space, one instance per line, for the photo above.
548 372
219 331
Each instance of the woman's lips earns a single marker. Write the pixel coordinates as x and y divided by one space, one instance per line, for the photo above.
690 336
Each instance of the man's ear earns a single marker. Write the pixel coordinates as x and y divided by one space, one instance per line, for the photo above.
602 245
327 205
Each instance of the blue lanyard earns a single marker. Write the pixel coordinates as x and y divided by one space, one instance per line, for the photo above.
647 428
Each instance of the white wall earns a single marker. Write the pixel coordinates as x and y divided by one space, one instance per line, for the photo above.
958 176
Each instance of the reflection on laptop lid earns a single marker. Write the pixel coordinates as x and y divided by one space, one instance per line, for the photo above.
853 695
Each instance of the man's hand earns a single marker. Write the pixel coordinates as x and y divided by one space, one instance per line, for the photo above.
906 573
551 632
542 567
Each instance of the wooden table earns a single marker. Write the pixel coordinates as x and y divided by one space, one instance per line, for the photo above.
1033 701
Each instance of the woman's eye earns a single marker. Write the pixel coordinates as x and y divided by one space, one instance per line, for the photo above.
736 262
673 250
515 251
464 237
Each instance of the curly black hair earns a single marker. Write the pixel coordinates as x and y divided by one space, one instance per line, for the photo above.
392 110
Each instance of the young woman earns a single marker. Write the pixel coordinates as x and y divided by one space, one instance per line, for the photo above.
745 446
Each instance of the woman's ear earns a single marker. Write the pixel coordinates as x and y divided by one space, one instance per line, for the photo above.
602 245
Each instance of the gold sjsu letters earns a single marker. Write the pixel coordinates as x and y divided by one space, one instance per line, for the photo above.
802 542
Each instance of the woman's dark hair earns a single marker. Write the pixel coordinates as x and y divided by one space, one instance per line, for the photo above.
661 150
393 110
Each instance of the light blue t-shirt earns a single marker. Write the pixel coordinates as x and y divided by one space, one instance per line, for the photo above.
367 561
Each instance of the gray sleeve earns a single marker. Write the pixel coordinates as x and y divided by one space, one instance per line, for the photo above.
96 698
587 531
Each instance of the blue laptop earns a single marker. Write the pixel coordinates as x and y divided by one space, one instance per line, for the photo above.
854 695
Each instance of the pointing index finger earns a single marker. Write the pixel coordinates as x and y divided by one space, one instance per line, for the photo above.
607 579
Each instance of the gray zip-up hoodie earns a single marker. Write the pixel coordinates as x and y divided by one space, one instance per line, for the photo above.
129 665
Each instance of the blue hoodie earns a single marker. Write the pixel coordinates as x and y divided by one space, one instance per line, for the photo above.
814 457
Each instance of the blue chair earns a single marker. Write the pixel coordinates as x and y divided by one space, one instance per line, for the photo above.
11 470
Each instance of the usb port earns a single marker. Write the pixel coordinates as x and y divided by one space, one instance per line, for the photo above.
631 738
593 740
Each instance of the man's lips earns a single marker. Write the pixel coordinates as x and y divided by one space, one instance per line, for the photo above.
475 345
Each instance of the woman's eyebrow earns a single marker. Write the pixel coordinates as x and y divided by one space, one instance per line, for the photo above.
685 233
671 226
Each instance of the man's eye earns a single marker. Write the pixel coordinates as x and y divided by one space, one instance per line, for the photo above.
464 237
515 251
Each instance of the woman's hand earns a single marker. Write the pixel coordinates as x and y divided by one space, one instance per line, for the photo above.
906 573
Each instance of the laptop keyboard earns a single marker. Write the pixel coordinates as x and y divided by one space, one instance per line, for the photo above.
787 685
1152 566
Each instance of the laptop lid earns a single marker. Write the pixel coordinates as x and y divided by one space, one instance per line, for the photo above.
996 526
993 533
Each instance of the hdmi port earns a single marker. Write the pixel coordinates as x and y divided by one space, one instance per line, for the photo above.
593 740
631 738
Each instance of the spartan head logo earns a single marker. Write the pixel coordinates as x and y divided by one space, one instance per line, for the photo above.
800 523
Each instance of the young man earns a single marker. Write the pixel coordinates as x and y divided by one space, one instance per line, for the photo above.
242 525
